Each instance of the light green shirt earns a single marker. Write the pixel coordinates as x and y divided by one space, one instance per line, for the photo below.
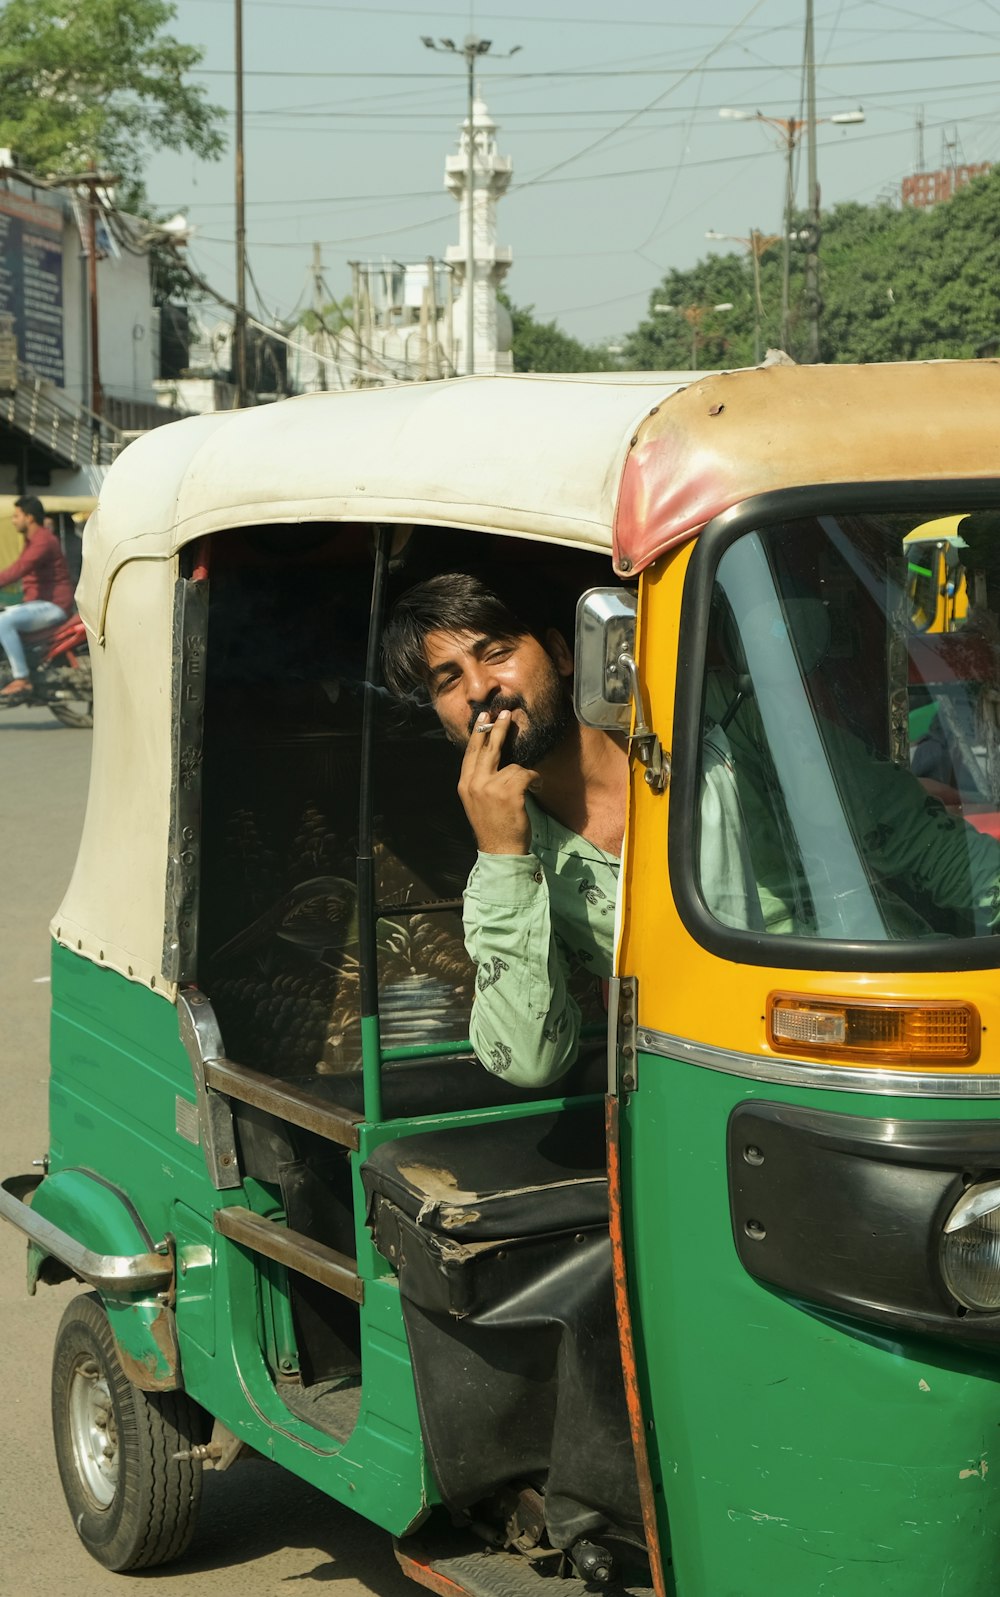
531 918
528 919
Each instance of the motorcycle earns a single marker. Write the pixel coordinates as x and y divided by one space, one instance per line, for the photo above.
59 661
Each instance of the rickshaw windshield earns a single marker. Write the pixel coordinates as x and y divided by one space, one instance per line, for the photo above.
850 761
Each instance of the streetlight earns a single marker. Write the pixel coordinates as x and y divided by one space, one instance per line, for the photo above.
757 243
694 315
470 49
789 129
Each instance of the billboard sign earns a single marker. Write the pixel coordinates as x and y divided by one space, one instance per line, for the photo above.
31 242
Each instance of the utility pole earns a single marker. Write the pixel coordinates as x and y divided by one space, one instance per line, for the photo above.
789 128
96 391
317 277
814 301
240 330
756 244
694 315
90 182
470 50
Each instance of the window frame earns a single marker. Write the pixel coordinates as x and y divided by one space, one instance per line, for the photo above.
760 513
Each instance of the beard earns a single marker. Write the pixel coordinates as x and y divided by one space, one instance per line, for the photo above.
549 718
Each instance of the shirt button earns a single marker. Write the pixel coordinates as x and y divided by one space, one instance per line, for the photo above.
538 877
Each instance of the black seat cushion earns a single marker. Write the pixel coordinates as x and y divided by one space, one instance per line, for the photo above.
529 1176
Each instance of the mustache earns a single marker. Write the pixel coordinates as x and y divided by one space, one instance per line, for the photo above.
494 704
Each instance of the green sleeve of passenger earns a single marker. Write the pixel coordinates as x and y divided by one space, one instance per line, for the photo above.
524 1026
911 838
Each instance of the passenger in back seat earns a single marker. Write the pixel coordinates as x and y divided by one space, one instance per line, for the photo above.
546 799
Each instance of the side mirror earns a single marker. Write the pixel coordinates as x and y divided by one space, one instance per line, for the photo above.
606 689
605 631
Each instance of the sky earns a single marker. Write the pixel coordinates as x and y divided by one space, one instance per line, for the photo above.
609 110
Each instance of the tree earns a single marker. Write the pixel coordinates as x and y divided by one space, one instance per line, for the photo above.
330 318
98 83
544 347
692 332
912 284
895 284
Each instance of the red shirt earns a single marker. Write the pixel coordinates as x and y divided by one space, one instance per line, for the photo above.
41 571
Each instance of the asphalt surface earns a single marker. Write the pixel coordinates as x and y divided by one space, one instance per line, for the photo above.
261 1531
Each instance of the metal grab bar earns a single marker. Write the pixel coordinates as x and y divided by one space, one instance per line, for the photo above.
109 1272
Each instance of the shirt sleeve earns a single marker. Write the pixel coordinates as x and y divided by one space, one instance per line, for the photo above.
525 1026
913 841
29 557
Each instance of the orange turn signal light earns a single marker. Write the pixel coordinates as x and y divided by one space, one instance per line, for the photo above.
874 1031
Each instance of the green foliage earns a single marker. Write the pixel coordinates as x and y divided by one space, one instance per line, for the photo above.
693 334
895 285
544 347
909 284
97 83
332 317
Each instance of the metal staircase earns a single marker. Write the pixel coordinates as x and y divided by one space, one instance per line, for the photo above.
54 422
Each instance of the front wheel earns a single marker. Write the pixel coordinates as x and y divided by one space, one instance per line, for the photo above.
134 1504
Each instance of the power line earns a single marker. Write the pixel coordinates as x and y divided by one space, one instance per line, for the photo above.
616 72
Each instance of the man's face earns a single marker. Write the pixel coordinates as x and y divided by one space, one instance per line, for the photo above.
468 673
22 522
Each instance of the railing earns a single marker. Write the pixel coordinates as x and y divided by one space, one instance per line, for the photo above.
57 423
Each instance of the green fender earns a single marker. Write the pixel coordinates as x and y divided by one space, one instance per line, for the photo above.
101 1219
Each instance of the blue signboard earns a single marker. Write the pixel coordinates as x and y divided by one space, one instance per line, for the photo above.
31 238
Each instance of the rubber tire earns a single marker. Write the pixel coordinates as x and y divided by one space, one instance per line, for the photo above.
69 717
151 1516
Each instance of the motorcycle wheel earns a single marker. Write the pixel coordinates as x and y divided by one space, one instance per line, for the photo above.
134 1503
73 712
77 707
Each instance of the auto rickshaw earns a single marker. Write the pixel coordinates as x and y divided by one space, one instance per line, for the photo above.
716 1313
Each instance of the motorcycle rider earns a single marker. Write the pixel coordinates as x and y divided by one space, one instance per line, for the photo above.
46 587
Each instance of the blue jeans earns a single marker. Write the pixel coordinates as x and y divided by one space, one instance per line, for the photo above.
33 617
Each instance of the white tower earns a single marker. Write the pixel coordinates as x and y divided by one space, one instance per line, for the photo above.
491 177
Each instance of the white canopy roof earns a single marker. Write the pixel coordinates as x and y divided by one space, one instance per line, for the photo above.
533 455
573 459
541 457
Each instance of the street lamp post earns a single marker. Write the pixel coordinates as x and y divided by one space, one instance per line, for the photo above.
240 328
694 315
789 128
757 243
470 50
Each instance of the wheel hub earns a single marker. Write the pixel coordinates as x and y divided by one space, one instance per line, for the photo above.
94 1431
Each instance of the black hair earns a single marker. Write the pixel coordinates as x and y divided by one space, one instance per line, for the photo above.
32 507
453 601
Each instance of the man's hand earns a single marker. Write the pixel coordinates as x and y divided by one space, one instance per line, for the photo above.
494 798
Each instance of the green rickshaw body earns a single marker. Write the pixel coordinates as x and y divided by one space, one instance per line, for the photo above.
801 1079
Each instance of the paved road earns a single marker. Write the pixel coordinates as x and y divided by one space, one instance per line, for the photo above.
260 1529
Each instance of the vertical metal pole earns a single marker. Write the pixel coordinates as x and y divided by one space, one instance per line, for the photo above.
371 1045
812 243
317 271
240 330
470 248
786 262
758 308
96 391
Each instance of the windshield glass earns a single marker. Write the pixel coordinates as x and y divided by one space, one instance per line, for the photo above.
850 758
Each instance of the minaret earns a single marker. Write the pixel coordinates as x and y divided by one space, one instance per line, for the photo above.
491 177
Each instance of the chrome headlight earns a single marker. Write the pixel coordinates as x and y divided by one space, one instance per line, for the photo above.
970 1248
